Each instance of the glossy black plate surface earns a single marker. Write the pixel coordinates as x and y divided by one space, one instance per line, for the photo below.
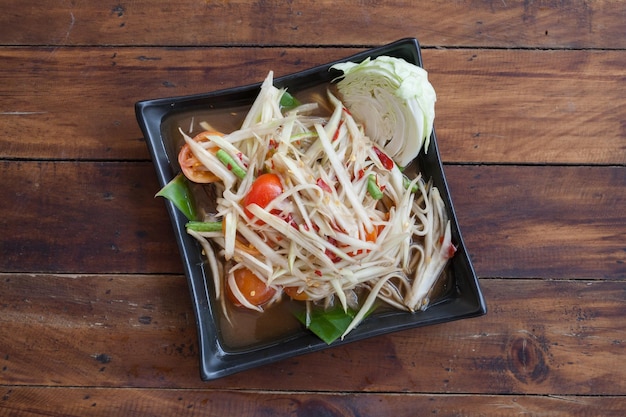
217 358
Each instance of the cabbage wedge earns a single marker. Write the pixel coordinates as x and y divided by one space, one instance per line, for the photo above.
394 100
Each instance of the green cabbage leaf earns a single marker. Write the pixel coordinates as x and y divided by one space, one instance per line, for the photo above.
395 102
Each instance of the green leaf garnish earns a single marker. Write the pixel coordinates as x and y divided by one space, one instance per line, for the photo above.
329 324
178 192
288 102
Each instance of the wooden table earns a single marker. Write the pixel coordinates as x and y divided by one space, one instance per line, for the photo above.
95 313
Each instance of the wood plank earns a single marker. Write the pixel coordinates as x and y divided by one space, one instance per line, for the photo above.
541 221
61 402
551 107
540 337
95 314
79 103
84 217
576 24
493 106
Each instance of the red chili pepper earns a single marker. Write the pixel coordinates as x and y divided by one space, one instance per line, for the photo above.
333 257
322 184
451 248
240 157
289 219
384 159
336 135
318 272
451 251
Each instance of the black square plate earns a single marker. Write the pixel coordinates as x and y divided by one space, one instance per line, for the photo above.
217 358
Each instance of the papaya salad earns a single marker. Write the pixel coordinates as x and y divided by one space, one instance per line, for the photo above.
313 202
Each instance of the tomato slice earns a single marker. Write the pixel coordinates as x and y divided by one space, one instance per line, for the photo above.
371 236
255 291
263 190
293 293
191 166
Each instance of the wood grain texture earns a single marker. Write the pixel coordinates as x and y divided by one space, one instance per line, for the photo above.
78 402
539 337
84 217
95 314
545 107
493 106
541 221
547 24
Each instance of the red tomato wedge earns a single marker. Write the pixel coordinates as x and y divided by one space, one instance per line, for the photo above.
263 190
371 236
251 287
293 293
189 164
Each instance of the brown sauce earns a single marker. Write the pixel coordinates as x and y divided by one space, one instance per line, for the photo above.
248 328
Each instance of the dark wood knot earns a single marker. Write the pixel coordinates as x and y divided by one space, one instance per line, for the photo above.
317 408
526 360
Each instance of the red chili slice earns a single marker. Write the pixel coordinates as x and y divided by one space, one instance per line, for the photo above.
322 184
384 159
